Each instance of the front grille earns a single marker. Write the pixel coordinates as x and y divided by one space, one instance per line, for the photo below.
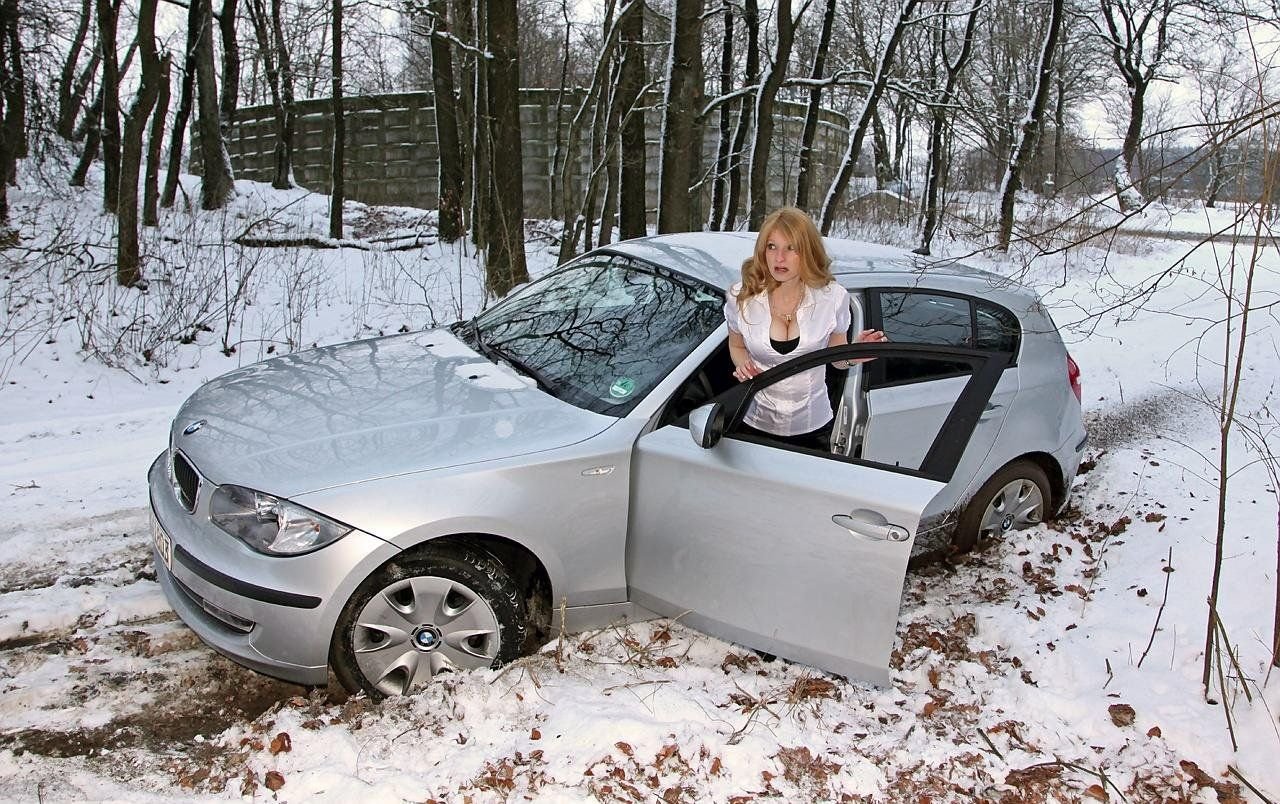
186 482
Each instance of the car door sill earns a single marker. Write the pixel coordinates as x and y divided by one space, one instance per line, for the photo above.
585 618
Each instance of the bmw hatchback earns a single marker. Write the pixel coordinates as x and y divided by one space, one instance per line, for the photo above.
393 508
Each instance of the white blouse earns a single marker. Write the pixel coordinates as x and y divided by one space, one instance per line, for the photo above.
798 404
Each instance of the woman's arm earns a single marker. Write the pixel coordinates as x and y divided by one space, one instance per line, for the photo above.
744 368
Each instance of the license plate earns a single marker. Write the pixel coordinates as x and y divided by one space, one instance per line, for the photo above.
164 545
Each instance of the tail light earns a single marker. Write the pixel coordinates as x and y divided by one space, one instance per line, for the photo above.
1073 377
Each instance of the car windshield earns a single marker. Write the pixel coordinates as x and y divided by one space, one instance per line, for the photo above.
599 334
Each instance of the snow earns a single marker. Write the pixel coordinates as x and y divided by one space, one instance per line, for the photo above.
1007 666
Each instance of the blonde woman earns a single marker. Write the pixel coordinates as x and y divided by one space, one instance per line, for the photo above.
788 304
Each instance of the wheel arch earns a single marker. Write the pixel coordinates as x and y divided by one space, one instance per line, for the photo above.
1052 472
524 565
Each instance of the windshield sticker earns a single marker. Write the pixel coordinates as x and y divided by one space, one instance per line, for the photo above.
622 388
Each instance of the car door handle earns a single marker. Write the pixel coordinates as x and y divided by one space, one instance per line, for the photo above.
871 525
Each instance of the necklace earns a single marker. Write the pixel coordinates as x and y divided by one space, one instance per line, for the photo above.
789 316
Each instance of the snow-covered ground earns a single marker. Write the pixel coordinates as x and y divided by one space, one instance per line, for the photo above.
1060 665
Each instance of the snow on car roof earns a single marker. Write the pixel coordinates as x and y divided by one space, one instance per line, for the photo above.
716 257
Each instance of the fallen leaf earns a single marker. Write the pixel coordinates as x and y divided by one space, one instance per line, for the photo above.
1096 791
281 743
624 748
1154 731
274 780
535 735
1121 714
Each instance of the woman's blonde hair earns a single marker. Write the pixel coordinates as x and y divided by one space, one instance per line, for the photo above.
798 228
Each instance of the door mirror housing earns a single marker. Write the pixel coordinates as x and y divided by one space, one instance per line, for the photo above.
706 425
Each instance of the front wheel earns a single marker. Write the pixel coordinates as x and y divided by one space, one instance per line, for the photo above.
440 609
1014 498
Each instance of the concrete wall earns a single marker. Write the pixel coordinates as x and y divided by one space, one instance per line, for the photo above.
392 158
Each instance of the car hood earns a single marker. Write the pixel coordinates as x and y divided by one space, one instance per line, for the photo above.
368 409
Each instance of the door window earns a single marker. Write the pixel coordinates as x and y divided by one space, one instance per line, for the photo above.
936 318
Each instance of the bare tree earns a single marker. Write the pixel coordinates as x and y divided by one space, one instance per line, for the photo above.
13 90
186 100
109 125
863 120
1141 38
1222 98
632 215
751 19
804 171
951 64
505 261
215 163
155 139
448 147
680 142
230 66
785 34
268 29
73 82
128 262
1031 126
337 164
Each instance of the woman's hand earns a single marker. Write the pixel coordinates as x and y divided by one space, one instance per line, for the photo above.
746 371
865 336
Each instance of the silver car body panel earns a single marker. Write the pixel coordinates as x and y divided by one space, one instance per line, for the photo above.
369 409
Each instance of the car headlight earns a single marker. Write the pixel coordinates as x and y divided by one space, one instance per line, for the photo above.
269 524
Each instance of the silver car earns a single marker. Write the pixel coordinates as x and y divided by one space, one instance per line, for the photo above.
396 507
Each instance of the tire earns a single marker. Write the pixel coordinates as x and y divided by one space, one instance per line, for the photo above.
439 609
1014 498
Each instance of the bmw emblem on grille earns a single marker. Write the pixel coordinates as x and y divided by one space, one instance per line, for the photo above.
194 426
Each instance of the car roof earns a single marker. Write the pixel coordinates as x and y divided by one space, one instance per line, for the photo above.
716 258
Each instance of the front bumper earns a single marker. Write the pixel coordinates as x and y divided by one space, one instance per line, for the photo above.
273 614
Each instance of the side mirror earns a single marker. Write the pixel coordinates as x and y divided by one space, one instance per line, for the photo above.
706 425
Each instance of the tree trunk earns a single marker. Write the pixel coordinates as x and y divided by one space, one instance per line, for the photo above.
724 140
937 162
109 122
632 213
337 163
275 60
155 139
69 100
750 18
1031 126
880 158
230 67
13 93
680 143
804 179
186 99
481 184
505 263
859 131
449 151
215 163
758 185
128 263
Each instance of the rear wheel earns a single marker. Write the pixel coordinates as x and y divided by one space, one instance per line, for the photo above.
441 609
1014 498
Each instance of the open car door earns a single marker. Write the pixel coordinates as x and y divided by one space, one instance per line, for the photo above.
797 552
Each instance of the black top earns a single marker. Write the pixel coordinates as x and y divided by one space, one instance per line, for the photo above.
784 347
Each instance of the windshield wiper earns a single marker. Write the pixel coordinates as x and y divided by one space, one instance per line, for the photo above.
496 354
